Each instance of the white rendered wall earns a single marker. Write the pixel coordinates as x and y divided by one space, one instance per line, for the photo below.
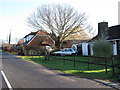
115 48
91 49
84 49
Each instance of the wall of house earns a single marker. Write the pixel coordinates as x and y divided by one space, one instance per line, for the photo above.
115 48
37 41
66 44
87 48
84 49
118 47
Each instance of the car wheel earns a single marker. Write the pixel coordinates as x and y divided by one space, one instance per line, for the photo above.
73 54
62 54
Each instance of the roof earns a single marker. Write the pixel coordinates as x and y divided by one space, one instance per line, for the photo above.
113 33
32 33
39 32
75 41
41 39
20 42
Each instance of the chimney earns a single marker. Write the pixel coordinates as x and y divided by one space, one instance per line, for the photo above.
103 30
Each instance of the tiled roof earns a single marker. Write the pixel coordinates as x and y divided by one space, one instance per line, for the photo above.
39 32
114 32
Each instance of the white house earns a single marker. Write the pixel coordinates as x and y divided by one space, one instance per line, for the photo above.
111 34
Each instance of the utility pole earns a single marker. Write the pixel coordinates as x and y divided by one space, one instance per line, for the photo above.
10 36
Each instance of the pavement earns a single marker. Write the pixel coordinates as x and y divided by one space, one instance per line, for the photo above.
24 74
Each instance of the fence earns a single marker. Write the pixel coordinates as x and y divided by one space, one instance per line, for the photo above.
113 62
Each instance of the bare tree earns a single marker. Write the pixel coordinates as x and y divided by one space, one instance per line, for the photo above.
59 21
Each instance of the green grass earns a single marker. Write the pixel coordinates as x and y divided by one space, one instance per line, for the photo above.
1 50
80 69
8 52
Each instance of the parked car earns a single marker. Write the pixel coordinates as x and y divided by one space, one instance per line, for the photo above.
66 51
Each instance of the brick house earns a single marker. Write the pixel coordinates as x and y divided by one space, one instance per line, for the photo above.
37 41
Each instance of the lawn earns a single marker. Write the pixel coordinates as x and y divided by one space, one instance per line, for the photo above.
8 52
80 69
1 50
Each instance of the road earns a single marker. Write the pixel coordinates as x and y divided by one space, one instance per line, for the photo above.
2 81
24 74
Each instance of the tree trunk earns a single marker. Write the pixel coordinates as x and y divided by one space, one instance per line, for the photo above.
57 43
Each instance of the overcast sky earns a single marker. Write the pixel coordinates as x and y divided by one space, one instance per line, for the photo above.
13 14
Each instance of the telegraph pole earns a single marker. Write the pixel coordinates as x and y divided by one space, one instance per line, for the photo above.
10 36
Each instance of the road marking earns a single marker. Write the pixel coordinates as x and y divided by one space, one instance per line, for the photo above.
6 80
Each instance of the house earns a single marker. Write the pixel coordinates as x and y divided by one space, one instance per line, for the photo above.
79 37
37 41
21 41
28 37
111 34
114 36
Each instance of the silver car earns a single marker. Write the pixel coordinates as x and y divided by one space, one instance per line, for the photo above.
66 51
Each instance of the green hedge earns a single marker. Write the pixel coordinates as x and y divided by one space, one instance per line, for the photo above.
102 48
21 51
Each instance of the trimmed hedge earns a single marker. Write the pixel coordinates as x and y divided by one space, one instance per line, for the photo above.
102 48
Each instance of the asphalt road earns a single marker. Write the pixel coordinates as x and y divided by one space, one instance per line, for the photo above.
3 85
24 74
2 81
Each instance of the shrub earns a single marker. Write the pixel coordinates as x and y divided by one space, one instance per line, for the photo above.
21 51
102 48
36 51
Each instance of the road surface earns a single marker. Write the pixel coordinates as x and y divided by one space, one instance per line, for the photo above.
2 81
24 74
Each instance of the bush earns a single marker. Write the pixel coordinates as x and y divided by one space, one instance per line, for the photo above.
21 51
102 48
33 51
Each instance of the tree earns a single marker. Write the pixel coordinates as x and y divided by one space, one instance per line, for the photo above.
59 21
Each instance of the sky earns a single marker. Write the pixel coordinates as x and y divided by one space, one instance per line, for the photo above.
13 14
119 12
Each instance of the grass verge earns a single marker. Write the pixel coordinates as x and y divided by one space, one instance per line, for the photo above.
8 52
80 69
